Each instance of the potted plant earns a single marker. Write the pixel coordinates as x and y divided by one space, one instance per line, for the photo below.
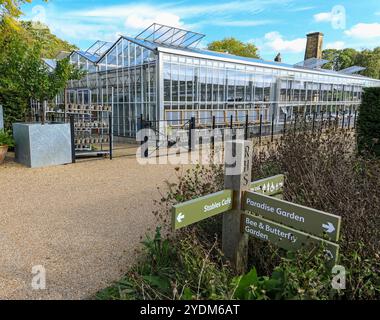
6 140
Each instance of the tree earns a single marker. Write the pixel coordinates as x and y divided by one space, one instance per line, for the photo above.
10 10
25 77
342 59
370 59
234 46
51 45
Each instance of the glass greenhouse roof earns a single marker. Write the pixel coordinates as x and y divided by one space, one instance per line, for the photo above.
99 47
162 38
313 65
91 57
170 36
352 70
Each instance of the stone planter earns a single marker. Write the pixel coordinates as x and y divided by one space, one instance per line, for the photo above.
40 145
3 153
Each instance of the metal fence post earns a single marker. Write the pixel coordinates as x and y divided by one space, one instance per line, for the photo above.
349 119
261 128
329 119
313 125
322 119
110 135
272 129
144 153
213 133
72 132
246 127
355 115
285 118
191 128
343 119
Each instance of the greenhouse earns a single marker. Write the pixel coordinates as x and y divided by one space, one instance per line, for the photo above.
163 76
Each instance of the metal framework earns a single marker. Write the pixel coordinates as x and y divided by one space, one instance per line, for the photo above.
312 63
99 48
170 36
353 70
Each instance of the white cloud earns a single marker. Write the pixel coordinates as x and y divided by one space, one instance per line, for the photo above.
137 17
242 23
336 45
105 22
182 9
300 9
323 17
364 31
276 42
143 21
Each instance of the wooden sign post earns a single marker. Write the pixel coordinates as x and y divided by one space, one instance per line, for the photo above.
238 166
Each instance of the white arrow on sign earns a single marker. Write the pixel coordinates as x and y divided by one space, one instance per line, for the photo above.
329 227
180 217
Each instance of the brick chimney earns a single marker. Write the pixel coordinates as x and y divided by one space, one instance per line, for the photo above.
314 45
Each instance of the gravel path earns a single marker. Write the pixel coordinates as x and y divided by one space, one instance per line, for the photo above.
82 222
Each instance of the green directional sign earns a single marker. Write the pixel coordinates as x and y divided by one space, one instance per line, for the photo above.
309 220
202 208
284 237
269 186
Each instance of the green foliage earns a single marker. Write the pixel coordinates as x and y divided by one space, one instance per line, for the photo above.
182 269
363 274
10 9
322 171
6 139
50 44
24 76
368 125
235 47
341 59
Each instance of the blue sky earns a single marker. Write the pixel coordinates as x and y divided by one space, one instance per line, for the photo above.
273 25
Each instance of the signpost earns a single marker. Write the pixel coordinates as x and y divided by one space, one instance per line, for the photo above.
269 186
302 218
290 226
285 237
238 166
193 211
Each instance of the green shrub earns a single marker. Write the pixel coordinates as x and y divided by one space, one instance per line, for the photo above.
182 269
322 171
368 124
6 139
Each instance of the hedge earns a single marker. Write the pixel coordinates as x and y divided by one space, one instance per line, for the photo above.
368 124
